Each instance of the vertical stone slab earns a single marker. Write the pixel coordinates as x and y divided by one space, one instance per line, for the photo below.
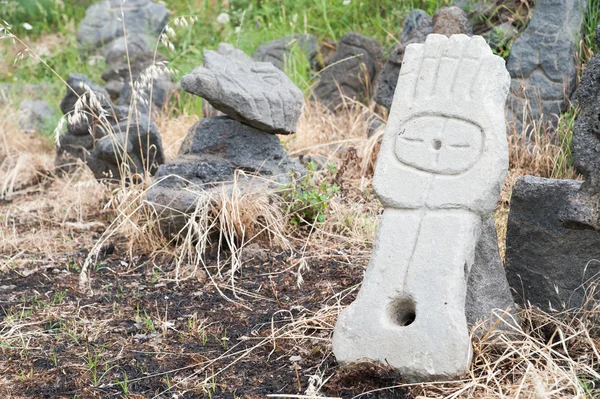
442 163
542 63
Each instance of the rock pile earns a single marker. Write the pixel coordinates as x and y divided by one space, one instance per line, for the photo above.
107 137
258 100
102 32
553 237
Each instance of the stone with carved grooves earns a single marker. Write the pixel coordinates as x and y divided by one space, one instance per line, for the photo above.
440 169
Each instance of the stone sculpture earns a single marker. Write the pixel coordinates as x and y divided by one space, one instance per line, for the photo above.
278 51
440 170
102 27
542 64
257 94
214 149
417 26
553 240
351 72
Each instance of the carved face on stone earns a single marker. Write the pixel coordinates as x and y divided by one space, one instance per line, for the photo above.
439 144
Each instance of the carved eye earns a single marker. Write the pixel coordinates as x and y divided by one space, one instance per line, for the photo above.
439 144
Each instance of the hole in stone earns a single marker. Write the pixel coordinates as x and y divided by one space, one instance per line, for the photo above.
402 310
466 271
437 144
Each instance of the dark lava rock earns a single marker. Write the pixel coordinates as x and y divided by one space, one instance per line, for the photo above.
417 25
134 146
586 131
488 293
351 72
553 243
257 93
279 50
214 150
542 63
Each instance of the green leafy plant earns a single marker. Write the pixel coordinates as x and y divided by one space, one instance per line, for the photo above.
307 196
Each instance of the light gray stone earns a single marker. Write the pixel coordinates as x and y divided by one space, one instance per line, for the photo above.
36 116
351 72
278 51
440 169
214 149
488 295
257 93
542 64
103 23
417 25
553 243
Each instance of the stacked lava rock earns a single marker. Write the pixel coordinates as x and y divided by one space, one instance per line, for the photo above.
108 138
259 101
553 234
127 55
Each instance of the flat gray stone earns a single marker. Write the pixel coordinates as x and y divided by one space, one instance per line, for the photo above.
344 75
542 64
441 167
552 243
278 51
257 94
214 149
417 25
488 295
451 21
36 117
103 23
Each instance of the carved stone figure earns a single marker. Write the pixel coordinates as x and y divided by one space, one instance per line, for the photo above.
542 64
441 167
257 93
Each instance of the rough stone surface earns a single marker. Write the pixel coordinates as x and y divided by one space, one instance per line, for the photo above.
417 26
257 93
586 131
103 23
78 85
278 51
214 149
36 116
542 63
552 243
440 169
230 51
352 71
451 21
477 8
138 149
500 35
488 294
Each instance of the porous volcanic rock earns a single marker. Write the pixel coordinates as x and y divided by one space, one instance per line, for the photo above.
214 150
351 72
451 21
279 50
